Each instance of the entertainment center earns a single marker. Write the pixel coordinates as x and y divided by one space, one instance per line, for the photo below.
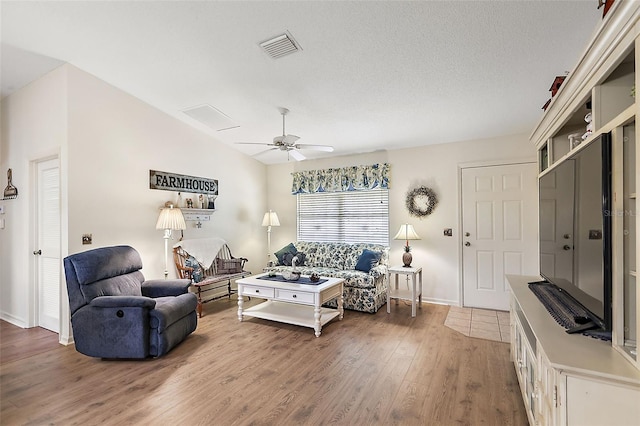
574 327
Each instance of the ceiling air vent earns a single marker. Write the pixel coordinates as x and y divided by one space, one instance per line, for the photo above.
280 46
211 116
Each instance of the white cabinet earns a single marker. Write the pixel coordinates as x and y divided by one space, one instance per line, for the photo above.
547 391
584 408
524 359
571 379
603 84
567 379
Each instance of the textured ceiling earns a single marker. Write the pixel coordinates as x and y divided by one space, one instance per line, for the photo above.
371 75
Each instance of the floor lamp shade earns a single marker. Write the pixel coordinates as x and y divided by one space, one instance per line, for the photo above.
270 219
170 218
406 232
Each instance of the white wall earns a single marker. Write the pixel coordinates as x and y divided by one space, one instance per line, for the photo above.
34 126
115 139
108 142
435 166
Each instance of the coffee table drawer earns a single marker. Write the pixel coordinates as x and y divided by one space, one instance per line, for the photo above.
257 291
294 296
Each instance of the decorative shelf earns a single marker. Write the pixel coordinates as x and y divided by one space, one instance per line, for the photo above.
200 215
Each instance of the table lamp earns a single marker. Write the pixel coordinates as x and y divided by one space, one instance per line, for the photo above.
406 233
170 218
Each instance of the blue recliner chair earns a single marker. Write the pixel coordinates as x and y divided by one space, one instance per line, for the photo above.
115 313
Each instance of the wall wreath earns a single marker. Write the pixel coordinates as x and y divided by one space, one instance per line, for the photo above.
421 201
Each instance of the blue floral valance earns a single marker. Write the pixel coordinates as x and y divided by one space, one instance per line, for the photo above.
354 178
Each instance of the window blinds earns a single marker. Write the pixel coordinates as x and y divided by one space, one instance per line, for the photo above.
345 217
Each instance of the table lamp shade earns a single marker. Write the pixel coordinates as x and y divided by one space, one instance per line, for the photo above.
406 232
270 219
171 218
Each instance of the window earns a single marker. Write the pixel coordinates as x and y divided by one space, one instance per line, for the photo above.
345 217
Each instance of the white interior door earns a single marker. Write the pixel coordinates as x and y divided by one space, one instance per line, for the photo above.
557 235
499 219
47 250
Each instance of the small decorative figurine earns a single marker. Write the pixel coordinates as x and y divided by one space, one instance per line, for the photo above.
588 118
314 278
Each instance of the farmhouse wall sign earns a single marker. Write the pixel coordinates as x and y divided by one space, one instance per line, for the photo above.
182 183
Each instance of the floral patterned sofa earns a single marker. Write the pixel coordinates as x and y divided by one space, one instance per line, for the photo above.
363 291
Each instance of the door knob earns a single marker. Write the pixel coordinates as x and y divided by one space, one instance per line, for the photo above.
566 247
467 244
37 253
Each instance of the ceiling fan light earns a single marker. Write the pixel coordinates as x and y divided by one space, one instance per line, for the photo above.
290 139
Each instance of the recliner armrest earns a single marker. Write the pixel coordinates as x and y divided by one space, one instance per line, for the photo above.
163 288
123 302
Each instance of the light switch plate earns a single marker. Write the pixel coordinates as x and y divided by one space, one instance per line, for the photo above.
1 223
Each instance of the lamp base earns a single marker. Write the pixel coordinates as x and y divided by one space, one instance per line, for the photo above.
406 259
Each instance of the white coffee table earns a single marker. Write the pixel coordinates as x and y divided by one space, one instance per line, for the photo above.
291 302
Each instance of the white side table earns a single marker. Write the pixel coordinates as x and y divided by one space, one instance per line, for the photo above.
414 293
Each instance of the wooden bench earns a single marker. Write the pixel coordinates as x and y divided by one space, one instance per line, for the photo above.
222 271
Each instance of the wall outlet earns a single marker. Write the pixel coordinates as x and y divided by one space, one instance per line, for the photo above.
87 239
448 232
1 209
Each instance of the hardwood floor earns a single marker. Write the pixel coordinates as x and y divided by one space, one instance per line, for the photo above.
364 370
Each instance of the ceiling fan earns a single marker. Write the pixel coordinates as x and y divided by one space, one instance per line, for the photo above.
288 143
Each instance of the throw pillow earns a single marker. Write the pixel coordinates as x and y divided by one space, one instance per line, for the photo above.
290 248
367 260
196 274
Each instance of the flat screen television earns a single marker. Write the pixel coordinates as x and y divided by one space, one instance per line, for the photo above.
575 230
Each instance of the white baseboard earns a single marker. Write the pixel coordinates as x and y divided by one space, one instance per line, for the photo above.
18 322
440 301
66 340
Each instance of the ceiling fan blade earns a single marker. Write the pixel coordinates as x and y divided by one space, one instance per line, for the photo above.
265 151
325 148
296 155
290 139
253 143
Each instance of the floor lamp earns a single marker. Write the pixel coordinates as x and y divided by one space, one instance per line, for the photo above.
170 218
270 219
